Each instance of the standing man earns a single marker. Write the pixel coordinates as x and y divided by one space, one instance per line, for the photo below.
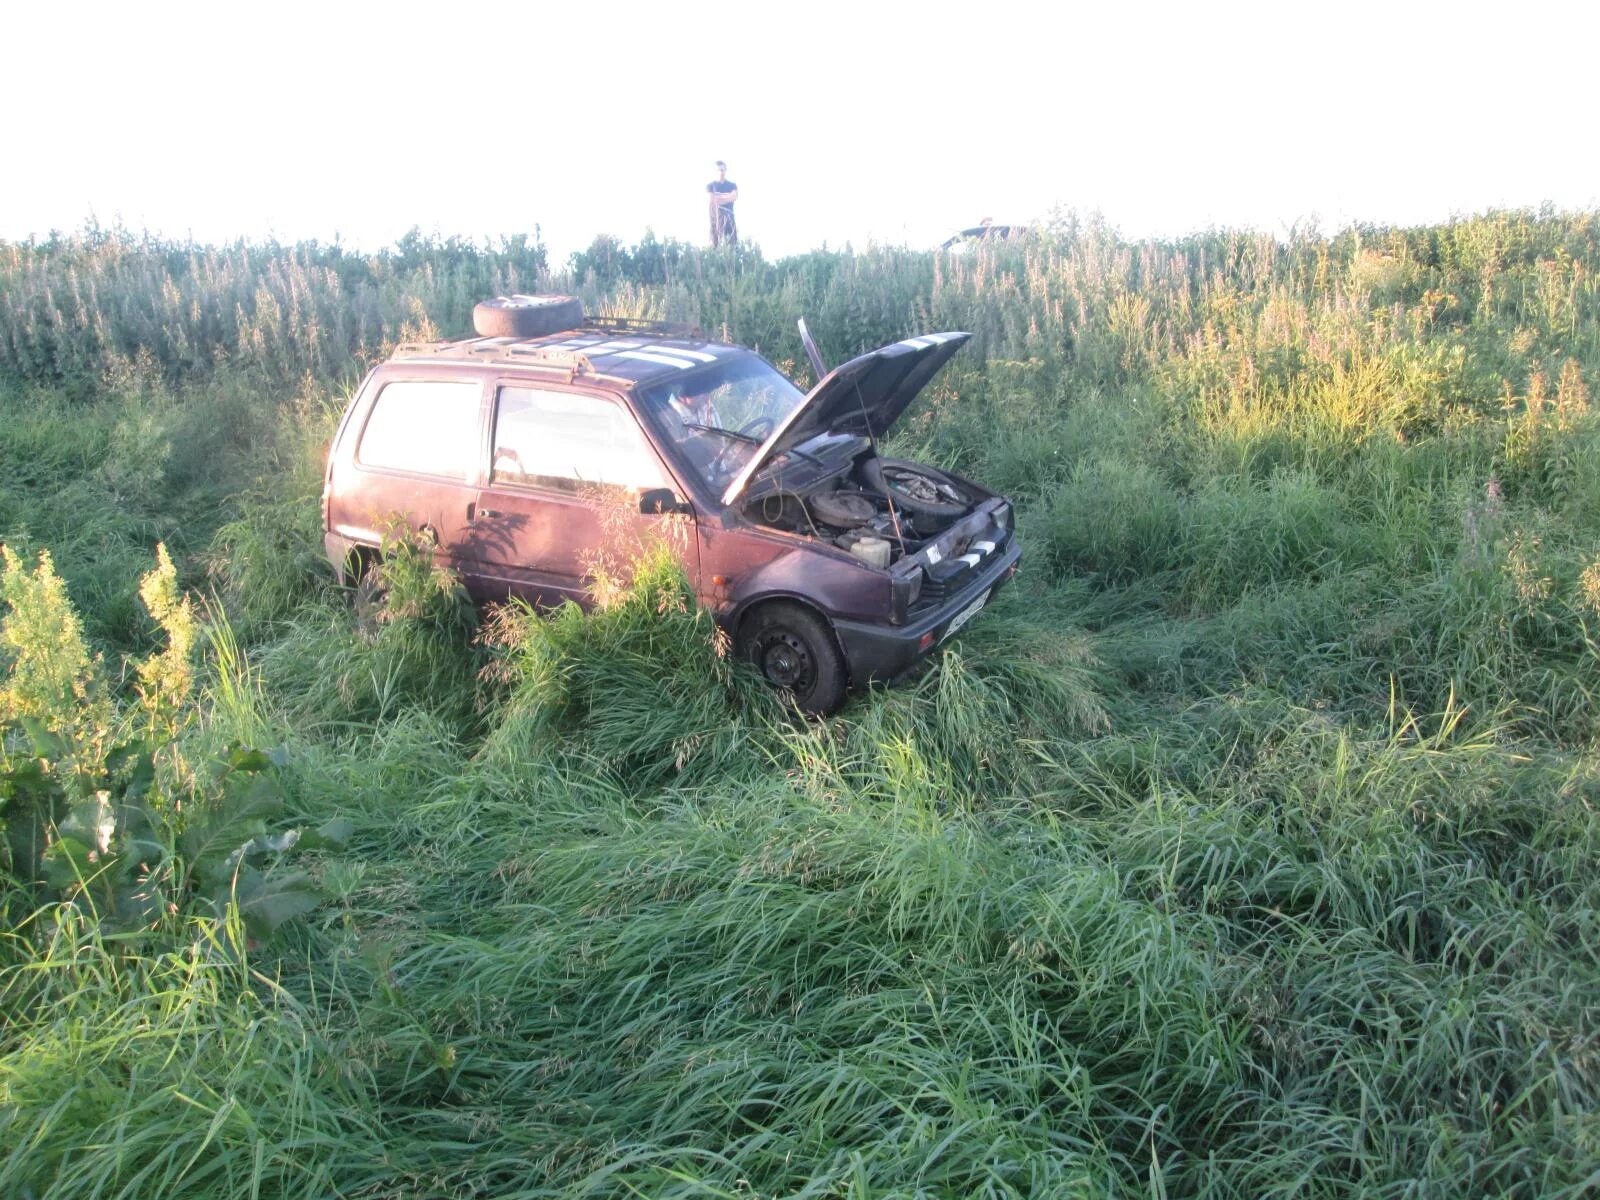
723 192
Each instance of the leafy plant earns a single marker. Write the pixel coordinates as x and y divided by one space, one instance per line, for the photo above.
104 812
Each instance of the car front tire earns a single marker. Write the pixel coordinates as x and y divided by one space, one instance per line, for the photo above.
795 652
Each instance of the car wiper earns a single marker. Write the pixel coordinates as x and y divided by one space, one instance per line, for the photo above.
732 433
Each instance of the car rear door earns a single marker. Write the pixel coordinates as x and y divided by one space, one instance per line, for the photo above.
561 501
416 461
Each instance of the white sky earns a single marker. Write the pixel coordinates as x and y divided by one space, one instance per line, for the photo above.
839 122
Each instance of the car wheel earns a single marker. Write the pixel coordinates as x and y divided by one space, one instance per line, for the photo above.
368 597
526 316
794 650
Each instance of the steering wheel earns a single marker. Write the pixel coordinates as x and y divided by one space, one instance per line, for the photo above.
714 467
758 427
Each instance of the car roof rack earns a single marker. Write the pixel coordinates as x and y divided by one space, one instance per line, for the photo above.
547 351
530 347
676 329
498 350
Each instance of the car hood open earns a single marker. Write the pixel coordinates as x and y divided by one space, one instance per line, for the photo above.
863 396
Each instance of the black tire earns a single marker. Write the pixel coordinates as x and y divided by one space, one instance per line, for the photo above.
526 316
873 473
369 595
794 650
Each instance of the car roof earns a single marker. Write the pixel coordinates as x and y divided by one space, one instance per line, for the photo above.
979 231
622 351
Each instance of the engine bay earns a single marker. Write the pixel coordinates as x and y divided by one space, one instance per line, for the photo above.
880 510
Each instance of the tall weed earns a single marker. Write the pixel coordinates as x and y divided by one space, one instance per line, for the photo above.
1243 848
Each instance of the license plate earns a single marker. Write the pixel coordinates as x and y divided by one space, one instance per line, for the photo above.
965 615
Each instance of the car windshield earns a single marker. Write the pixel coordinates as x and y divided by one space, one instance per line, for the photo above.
719 416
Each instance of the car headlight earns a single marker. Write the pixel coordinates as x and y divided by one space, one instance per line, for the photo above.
1002 517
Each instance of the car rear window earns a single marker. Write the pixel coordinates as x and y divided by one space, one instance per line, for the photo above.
429 427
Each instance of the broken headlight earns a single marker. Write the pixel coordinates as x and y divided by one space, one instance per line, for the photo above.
907 588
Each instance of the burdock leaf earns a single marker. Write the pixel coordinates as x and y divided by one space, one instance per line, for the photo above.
330 835
267 901
67 863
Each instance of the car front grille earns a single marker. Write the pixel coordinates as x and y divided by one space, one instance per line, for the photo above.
954 575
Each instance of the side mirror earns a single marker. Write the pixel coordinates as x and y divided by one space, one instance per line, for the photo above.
663 500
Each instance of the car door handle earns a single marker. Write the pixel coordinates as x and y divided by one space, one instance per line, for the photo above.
475 513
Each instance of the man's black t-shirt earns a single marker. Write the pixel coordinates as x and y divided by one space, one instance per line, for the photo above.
723 228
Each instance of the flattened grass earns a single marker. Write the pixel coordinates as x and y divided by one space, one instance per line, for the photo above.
1245 847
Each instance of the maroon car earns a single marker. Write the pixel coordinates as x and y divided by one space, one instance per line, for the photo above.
531 458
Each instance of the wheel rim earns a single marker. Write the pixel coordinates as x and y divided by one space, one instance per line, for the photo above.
786 661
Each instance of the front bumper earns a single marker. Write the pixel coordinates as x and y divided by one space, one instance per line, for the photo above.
880 653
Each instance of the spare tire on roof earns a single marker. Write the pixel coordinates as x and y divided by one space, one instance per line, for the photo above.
526 316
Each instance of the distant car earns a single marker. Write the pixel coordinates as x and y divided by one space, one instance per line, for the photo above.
985 229
528 450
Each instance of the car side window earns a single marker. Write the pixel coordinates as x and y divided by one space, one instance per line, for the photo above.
568 441
427 426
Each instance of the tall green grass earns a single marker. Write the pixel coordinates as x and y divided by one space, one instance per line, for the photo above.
1245 847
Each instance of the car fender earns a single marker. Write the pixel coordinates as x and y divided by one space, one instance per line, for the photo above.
834 587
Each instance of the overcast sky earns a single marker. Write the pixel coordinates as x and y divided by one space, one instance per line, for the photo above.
838 122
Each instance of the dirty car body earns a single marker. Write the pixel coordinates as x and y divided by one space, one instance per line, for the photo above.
528 459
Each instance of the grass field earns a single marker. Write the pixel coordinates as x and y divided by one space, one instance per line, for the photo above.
1246 847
